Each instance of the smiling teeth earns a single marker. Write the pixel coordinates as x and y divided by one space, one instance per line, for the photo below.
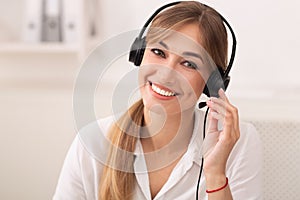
161 91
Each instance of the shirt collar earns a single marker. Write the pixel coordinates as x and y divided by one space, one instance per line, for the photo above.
195 145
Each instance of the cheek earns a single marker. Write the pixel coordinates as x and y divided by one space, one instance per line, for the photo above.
144 69
143 74
141 78
198 85
146 56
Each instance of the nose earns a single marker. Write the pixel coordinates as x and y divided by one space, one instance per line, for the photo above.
167 71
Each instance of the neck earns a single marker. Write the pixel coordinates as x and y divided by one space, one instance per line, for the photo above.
162 130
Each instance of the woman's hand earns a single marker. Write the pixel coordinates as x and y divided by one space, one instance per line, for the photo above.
224 140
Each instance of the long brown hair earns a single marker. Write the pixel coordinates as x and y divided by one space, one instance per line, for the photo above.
117 183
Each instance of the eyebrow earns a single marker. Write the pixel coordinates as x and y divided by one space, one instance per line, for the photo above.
186 53
164 45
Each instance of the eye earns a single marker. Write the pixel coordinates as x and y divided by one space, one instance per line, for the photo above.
159 53
190 64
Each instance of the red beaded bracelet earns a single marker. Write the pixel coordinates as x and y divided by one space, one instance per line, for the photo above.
221 188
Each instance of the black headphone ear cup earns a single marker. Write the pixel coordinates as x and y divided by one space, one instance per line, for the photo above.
137 51
214 83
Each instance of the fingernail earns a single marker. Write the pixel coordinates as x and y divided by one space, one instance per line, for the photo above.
213 99
221 92
215 115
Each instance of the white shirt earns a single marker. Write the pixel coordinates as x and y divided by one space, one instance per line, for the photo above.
80 175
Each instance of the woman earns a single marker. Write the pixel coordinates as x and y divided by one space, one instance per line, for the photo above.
156 147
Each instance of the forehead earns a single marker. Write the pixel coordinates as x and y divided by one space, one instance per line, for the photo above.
191 31
185 38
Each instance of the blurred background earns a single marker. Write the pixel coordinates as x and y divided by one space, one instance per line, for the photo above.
45 43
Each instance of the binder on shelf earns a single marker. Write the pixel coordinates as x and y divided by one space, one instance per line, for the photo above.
32 24
92 8
71 20
51 26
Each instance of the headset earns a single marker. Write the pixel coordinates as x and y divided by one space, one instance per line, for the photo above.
217 79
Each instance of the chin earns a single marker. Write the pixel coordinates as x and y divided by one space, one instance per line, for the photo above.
166 109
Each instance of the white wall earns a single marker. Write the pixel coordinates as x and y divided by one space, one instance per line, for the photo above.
11 13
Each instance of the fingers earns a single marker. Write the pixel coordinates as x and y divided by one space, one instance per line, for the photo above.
222 109
213 121
231 115
223 141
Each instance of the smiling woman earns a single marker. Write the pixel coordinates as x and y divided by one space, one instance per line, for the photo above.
171 66
156 147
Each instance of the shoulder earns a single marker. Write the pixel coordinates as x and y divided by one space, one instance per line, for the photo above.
248 135
249 144
101 125
84 161
245 164
247 154
93 137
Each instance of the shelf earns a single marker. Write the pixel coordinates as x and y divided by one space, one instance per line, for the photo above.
39 48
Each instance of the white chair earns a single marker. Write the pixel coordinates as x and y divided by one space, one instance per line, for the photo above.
281 140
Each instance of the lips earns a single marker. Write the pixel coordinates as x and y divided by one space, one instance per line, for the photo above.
162 90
